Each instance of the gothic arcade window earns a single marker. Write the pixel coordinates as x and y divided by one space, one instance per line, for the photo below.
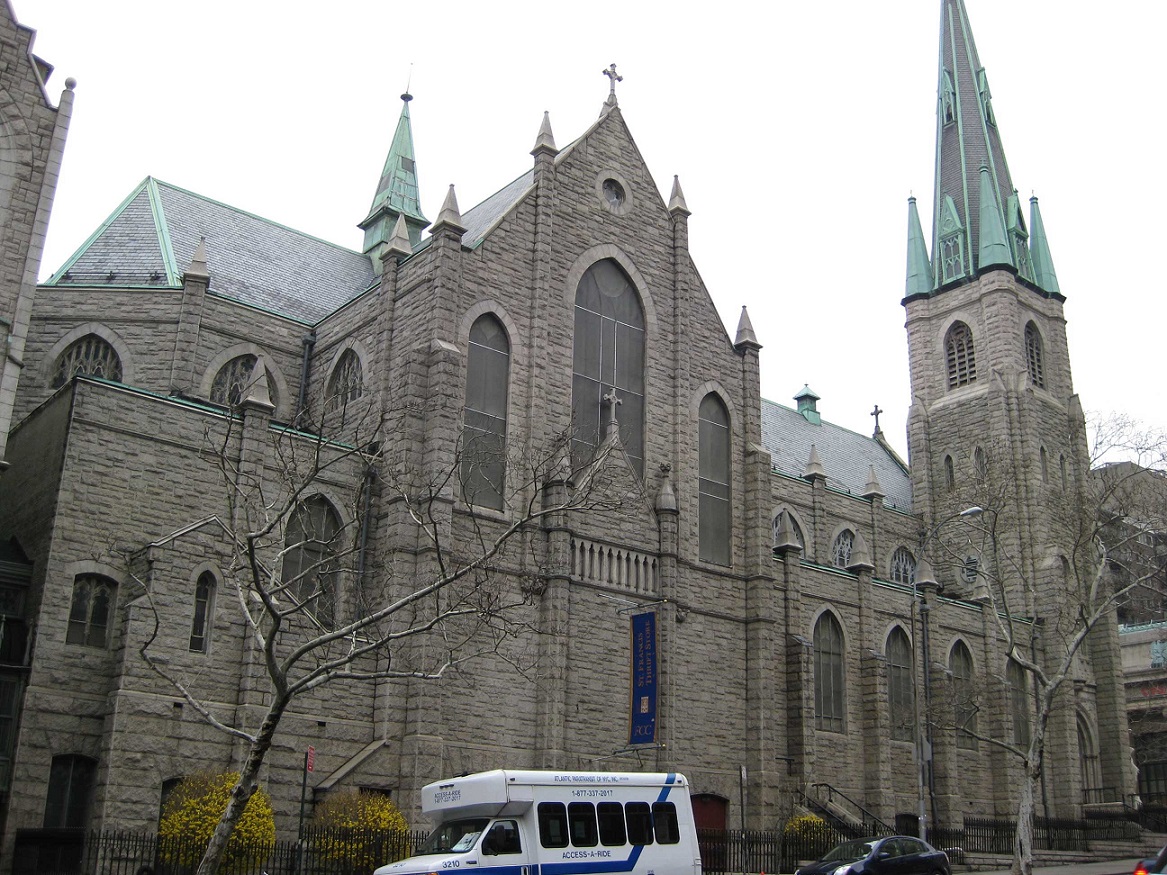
900 698
1018 702
794 527
311 567
980 465
70 791
484 418
347 382
1033 355
1088 757
958 351
233 379
949 474
841 549
903 566
960 664
608 362
91 356
204 605
828 674
714 500
91 610
1044 466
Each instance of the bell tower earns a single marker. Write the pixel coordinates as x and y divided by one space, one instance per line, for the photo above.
994 417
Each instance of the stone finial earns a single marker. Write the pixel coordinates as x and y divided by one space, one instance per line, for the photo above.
545 140
255 393
925 576
666 499
785 540
677 203
745 331
398 244
873 490
449 217
860 558
814 467
198 262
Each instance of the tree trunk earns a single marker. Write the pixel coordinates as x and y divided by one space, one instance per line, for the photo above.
1023 846
243 790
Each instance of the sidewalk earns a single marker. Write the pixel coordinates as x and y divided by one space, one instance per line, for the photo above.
1106 867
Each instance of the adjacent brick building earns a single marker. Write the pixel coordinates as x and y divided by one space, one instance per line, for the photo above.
776 551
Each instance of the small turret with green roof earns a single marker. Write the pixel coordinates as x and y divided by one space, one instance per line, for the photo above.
397 193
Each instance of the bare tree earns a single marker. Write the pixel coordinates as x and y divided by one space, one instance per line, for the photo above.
288 555
1105 551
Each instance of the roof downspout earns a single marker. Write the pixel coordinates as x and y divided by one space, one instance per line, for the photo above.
366 504
308 341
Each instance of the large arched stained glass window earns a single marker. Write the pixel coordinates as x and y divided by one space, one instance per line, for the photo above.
900 698
311 567
484 417
91 356
828 674
714 510
608 362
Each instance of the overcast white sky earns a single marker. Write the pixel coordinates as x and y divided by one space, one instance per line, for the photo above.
798 131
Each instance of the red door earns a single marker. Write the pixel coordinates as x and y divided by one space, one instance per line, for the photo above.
709 811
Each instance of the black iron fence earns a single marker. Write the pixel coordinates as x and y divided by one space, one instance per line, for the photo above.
322 852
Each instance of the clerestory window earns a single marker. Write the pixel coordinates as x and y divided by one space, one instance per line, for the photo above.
347 382
233 380
842 548
903 566
91 356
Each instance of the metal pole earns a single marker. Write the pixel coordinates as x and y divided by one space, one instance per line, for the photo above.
925 609
303 797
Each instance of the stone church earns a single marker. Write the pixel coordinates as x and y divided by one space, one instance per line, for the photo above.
758 615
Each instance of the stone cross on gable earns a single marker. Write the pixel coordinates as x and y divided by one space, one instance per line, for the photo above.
613 78
876 413
613 401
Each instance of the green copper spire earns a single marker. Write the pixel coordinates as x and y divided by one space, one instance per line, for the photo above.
919 268
1043 262
994 247
967 139
397 190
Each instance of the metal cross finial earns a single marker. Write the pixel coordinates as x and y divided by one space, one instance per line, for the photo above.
876 413
613 78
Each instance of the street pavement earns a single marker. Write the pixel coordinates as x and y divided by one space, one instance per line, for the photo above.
1106 867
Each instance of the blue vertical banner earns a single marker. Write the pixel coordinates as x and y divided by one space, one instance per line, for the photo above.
642 704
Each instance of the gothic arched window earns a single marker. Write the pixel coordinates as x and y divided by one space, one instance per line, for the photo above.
949 474
903 566
91 610
311 568
828 674
1088 757
90 356
841 549
714 511
1034 356
70 791
960 664
484 418
1044 456
900 693
980 465
608 362
233 379
958 351
204 606
347 382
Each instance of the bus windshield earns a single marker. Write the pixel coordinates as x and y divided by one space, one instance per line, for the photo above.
454 836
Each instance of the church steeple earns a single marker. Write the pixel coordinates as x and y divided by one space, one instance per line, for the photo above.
397 191
967 140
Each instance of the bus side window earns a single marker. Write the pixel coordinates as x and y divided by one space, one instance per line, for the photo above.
639 819
552 825
581 816
664 822
611 815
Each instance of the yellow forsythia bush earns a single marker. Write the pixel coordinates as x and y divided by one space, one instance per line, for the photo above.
360 830
810 833
192 812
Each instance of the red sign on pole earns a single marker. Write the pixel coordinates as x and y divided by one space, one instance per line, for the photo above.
310 759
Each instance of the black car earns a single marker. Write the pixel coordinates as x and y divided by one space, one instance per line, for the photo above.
887 855
1153 865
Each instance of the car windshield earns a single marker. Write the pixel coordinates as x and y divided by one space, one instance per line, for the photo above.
454 836
849 852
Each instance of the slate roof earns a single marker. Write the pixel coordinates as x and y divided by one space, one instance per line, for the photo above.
150 238
479 219
847 456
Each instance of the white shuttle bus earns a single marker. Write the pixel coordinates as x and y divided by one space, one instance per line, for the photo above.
557 823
